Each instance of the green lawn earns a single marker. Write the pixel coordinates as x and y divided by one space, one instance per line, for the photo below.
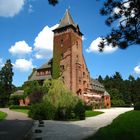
124 127
21 110
2 115
90 113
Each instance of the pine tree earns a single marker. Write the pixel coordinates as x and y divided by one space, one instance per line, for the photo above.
127 15
6 77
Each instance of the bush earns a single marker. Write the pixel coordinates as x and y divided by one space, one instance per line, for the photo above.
137 106
58 104
18 107
80 110
36 97
14 99
117 103
42 111
88 107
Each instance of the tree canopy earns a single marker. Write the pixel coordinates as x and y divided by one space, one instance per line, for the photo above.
6 78
125 16
122 92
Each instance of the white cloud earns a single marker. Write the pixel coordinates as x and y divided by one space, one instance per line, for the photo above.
23 65
20 48
44 42
10 8
137 69
83 38
94 47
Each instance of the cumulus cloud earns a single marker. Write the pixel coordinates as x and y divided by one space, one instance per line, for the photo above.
44 42
137 69
10 8
94 47
23 65
20 48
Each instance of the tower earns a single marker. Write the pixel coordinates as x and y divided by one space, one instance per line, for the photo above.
68 59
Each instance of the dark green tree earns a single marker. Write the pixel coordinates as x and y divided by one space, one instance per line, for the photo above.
6 78
100 79
125 13
53 2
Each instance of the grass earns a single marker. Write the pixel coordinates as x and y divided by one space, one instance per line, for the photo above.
2 115
124 127
21 110
90 113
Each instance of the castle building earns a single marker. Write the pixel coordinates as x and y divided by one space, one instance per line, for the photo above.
68 63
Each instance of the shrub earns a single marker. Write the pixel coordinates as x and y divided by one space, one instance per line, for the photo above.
58 103
43 110
36 97
80 110
117 103
137 106
14 99
18 107
31 87
88 107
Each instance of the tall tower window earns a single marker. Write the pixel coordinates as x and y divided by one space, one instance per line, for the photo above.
62 55
77 44
61 42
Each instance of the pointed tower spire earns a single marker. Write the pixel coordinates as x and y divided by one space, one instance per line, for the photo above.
67 21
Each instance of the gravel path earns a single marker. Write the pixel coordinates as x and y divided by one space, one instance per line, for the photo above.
15 126
78 130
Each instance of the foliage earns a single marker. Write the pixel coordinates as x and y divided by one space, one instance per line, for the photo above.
126 126
117 103
79 110
127 14
36 97
56 66
34 91
53 2
58 103
30 87
2 115
43 110
137 106
6 87
47 84
18 107
88 107
122 92
90 113
14 99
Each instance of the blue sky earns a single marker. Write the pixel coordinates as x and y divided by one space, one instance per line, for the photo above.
26 37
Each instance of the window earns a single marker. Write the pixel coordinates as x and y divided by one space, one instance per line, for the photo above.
61 42
62 67
77 44
77 57
62 55
84 74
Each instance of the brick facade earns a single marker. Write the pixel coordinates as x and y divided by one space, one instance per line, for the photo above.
68 63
